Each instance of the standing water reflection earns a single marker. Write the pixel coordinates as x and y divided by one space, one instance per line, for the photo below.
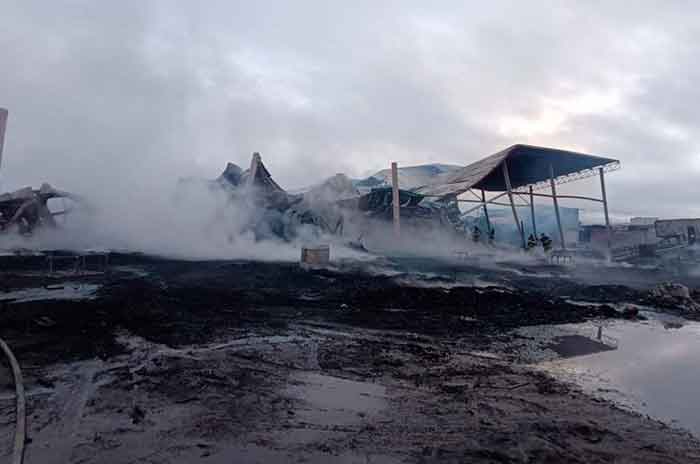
655 369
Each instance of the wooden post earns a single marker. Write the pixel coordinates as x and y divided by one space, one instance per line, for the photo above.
509 188
3 124
486 210
532 213
605 209
396 199
556 206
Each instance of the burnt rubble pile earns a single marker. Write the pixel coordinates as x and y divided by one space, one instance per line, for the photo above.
273 212
26 209
378 204
673 296
257 184
334 207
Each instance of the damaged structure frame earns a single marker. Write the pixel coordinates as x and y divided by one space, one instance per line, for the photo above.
519 171
27 208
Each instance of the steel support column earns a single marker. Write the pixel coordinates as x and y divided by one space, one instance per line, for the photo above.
491 201
486 210
556 206
532 213
605 209
509 188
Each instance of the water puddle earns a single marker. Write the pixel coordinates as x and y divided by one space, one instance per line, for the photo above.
333 401
649 366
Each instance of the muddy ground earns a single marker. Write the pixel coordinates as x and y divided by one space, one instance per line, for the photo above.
381 361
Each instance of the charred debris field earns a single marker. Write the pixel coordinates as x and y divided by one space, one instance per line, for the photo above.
385 360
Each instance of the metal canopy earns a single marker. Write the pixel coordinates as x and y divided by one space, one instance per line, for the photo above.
527 165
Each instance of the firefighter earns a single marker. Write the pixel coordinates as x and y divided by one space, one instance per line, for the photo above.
531 242
546 242
476 234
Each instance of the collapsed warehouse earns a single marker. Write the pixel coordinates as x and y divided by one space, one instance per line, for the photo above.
335 207
427 200
134 357
441 203
426 203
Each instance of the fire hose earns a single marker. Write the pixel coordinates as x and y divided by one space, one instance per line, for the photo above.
21 428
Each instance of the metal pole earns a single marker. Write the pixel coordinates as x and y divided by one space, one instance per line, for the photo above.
486 210
395 198
492 200
509 188
605 208
570 197
532 213
462 200
556 206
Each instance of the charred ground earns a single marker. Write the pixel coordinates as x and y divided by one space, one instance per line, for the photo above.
268 362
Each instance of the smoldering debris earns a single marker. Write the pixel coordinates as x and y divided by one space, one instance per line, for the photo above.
27 209
265 209
246 214
674 296
212 350
334 209
242 213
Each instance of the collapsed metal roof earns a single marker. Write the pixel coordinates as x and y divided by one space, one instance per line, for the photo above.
527 165
28 208
260 177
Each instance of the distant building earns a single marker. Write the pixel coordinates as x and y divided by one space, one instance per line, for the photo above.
643 221
683 230
621 236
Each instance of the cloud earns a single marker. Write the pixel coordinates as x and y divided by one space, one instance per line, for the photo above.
132 95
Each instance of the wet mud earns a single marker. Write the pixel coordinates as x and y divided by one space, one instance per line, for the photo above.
178 362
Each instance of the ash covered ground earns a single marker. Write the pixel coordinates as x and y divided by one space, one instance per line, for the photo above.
162 361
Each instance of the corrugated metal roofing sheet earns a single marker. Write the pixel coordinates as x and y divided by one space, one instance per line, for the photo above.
527 165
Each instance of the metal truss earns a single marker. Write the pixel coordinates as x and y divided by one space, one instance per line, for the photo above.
575 176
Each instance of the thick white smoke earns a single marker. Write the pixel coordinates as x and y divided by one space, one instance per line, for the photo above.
201 223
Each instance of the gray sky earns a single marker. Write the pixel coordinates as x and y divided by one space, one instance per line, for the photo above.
133 94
